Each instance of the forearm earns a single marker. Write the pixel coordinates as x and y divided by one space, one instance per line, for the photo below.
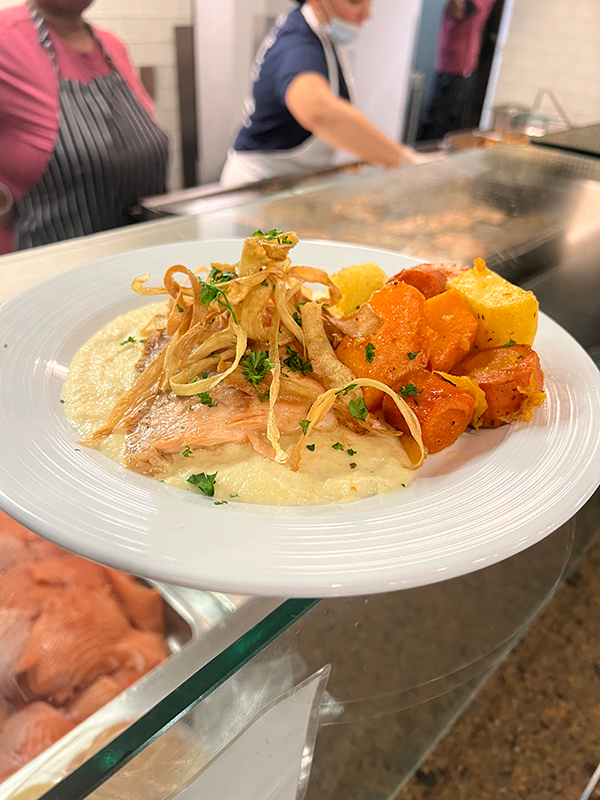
345 128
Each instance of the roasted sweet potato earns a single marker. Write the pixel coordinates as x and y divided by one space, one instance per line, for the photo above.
399 344
511 378
443 410
451 329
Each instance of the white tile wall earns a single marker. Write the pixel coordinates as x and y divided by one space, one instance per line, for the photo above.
148 29
553 44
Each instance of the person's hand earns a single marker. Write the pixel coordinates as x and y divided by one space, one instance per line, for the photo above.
416 157
6 205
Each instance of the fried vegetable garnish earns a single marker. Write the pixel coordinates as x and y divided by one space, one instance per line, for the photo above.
223 319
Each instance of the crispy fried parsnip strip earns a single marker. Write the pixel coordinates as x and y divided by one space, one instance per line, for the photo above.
326 365
273 434
224 338
313 275
361 325
325 402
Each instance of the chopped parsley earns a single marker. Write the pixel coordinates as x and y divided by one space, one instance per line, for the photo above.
220 502
142 341
370 353
353 465
304 423
187 452
310 446
217 275
348 388
63 402
264 283
337 446
351 452
129 340
297 318
180 309
235 494
256 364
295 362
358 408
195 379
204 482
509 343
273 235
410 390
207 400
412 356
204 375
211 292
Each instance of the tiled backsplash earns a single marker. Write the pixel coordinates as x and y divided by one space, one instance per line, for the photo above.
148 29
553 44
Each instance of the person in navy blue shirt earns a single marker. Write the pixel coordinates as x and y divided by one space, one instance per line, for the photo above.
299 110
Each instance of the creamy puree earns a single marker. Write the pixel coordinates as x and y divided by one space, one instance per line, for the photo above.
104 368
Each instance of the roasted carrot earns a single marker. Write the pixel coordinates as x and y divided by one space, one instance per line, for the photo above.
511 378
451 329
443 410
399 345
426 278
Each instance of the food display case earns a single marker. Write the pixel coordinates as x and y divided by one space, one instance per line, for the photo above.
340 697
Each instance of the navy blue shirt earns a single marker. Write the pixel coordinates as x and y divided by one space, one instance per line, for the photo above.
290 49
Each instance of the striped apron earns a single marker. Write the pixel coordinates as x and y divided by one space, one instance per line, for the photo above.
108 154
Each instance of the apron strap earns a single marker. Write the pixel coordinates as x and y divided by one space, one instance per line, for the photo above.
46 42
332 62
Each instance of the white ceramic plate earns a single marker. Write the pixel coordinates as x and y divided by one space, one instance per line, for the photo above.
485 498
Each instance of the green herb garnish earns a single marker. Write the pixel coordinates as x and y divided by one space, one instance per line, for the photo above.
273 234
353 465
337 446
264 283
256 364
235 494
217 275
295 362
304 423
351 452
207 400
370 353
220 502
180 309
129 340
358 408
509 343
410 390
310 446
412 356
211 292
187 452
348 388
204 482
297 318
63 402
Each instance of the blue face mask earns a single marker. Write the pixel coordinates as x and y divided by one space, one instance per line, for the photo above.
341 32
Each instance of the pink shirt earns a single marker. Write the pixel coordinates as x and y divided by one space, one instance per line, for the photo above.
29 101
460 40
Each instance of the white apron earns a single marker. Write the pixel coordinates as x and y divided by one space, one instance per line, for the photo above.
249 166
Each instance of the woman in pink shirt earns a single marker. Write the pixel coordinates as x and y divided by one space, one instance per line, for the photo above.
79 144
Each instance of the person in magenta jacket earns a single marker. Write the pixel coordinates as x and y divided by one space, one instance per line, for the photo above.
79 143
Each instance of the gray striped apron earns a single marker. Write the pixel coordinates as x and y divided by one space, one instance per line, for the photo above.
108 154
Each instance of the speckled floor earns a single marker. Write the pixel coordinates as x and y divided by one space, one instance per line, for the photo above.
534 730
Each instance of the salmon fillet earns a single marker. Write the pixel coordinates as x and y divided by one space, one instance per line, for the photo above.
32 730
72 643
142 605
15 628
87 702
138 653
173 423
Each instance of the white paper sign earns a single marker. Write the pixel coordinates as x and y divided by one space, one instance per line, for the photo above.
271 758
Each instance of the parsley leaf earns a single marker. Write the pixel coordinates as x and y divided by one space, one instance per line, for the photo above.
351 452
348 388
187 452
509 343
256 364
410 390
129 340
412 356
295 362
297 318
207 400
310 446
204 482
370 353
304 425
337 446
235 494
358 408
217 275
264 283
273 234
220 502
180 309
211 292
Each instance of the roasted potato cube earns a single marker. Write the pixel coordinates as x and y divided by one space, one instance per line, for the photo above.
356 284
505 313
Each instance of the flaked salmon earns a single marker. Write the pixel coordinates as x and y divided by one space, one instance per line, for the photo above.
31 731
143 605
89 700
